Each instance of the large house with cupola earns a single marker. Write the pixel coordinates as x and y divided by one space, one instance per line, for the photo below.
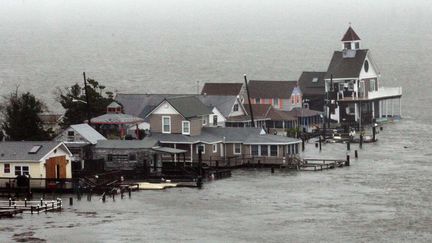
353 83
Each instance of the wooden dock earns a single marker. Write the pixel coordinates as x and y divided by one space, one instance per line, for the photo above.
9 213
322 164
26 206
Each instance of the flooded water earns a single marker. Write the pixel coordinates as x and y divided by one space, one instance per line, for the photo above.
166 46
384 196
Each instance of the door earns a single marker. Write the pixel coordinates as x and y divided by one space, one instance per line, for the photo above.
56 167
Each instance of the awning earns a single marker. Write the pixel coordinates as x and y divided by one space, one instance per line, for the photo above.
169 150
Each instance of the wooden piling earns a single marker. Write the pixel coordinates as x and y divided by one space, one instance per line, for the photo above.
71 201
361 140
272 170
347 163
348 146
356 154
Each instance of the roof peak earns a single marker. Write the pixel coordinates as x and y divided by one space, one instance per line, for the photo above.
350 35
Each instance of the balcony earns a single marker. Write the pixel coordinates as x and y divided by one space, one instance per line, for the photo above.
385 92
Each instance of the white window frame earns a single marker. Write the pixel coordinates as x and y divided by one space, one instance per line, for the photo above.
234 148
215 146
169 124
236 107
200 145
183 127
260 151
257 100
21 169
215 124
276 102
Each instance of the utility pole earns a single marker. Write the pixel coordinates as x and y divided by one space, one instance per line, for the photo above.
87 100
249 100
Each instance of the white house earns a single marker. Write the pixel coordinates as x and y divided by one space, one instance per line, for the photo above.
37 159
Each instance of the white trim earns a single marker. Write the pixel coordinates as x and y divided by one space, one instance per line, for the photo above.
65 148
234 148
157 107
215 145
272 143
183 126
169 118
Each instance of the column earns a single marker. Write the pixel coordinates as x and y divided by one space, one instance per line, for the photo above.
191 153
400 107
175 155
373 109
392 108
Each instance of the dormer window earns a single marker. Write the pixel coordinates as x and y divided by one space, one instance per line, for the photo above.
166 124
347 45
236 107
315 80
186 127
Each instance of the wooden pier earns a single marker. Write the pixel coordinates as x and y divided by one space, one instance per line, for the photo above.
25 206
322 164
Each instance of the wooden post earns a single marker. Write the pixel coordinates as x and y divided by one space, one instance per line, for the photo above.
272 170
356 154
31 209
103 197
348 146
25 202
347 163
361 140
10 202
71 201
130 192
320 143
303 144
373 133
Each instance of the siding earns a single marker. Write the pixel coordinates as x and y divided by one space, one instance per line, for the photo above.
156 123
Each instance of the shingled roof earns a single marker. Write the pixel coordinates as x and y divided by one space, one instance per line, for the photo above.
271 89
346 67
221 89
312 83
21 151
350 35
189 106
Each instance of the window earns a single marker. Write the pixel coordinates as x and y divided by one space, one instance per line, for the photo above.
315 80
21 170
166 124
215 148
25 170
6 168
264 150
71 133
132 157
347 45
372 86
215 120
186 127
350 110
200 147
237 148
109 157
357 45
17 170
258 101
276 102
273 150
235 108
254 149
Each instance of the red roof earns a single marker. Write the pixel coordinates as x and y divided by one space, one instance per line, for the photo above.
350 35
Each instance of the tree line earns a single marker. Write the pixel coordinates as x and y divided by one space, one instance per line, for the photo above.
21 111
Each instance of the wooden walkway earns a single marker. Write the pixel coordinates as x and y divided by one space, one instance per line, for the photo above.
322 164
31 207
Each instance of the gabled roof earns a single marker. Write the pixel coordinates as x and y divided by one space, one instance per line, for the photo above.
147 143
189 106
231 89
350 35
11 151
141 104
114 105
224 104
346 67
88 133
271 89
312 83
